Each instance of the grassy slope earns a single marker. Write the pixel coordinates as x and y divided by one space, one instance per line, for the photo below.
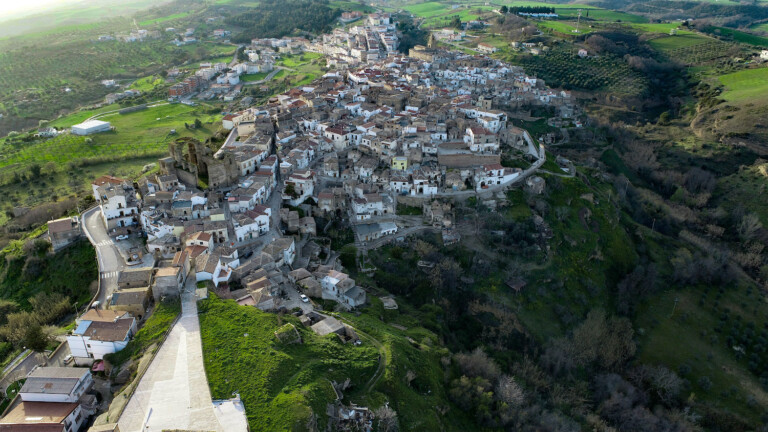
306 68
416 404
743 37
136 133
280 384
747 188
151 332
594 255
745 85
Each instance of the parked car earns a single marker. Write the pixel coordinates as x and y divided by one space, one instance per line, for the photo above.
304 298
122 237
68 359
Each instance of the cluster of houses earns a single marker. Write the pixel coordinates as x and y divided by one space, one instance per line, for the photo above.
353 144
375 39
401 126
220 80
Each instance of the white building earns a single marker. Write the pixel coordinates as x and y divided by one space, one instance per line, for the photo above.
92 340
485 48
303 185
56 384
118 206
91 127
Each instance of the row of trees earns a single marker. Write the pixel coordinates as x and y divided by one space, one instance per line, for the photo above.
527 10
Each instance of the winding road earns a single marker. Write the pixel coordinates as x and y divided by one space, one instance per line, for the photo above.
110 261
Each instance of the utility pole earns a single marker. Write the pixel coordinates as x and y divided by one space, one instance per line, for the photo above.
578 21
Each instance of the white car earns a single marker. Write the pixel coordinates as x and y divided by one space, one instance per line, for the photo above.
122 237
304 298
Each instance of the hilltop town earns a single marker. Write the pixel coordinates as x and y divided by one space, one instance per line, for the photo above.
238 214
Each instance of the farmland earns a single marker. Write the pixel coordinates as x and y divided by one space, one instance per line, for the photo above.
135 133
171 17
440 14
70 161
561 68
664 28
760 27
596 14
564 27
745 85
669 43
693 48
74 72
352 6
739 36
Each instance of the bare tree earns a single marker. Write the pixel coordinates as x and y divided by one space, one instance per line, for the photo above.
477 363
509 391
387 419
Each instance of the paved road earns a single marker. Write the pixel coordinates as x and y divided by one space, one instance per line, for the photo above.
22 369
110 261
173 393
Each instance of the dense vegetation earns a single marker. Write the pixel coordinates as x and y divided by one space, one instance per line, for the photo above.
278 18
38 289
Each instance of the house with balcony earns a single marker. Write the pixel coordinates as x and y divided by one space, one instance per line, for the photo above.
119 206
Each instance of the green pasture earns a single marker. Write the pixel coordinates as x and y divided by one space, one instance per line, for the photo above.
745 85
304 68
763 27
600 15
669 43
148 83
159 20
664 28
566 27
253 77
743 37
428 9
677 328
